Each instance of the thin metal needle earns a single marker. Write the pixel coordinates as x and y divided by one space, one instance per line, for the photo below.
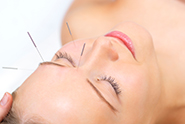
10 68
35 46
13 68
70 33
81 54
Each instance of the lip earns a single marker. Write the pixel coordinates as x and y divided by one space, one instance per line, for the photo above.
124 40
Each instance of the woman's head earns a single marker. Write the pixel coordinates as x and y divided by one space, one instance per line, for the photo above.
108 86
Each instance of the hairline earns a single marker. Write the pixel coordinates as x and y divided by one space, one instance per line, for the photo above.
33 119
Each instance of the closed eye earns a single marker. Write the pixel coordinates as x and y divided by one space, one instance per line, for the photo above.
66 56
112 82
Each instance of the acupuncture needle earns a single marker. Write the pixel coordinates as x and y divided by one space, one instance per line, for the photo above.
13 68
35 46
70 33
81 54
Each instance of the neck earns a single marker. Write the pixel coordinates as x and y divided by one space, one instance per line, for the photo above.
172 104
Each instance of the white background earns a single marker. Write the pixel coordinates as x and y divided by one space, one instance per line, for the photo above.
43 19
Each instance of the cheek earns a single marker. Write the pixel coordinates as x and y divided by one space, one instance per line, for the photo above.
139 94
135 95
136 87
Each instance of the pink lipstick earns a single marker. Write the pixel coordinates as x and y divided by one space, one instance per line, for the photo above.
124 39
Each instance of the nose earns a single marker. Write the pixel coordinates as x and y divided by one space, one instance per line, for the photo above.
102 51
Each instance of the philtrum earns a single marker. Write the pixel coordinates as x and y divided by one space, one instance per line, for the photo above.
35 46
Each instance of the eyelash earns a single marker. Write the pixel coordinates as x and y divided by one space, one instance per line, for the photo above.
109 79
112 82
65 56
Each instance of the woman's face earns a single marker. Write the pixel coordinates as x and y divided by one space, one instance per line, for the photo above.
106 85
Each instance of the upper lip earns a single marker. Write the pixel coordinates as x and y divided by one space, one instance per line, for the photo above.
124 39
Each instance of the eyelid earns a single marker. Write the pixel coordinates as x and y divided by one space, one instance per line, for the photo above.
112 82
67 56
101 96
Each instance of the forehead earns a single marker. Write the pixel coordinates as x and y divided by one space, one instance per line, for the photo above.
59 98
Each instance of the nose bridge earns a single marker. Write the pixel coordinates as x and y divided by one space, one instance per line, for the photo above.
102 50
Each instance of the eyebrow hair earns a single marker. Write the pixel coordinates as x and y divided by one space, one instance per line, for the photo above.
36 119
52 63
101 96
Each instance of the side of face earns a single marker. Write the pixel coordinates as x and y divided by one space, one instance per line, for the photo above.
84 93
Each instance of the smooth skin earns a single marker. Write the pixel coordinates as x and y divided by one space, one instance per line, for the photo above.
71 97
164 20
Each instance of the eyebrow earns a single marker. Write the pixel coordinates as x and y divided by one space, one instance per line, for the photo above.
101 96
52 63
93 87
37 119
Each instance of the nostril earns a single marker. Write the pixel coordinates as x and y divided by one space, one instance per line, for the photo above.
113 54
105 46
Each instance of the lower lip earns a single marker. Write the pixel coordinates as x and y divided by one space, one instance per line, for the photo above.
124 39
